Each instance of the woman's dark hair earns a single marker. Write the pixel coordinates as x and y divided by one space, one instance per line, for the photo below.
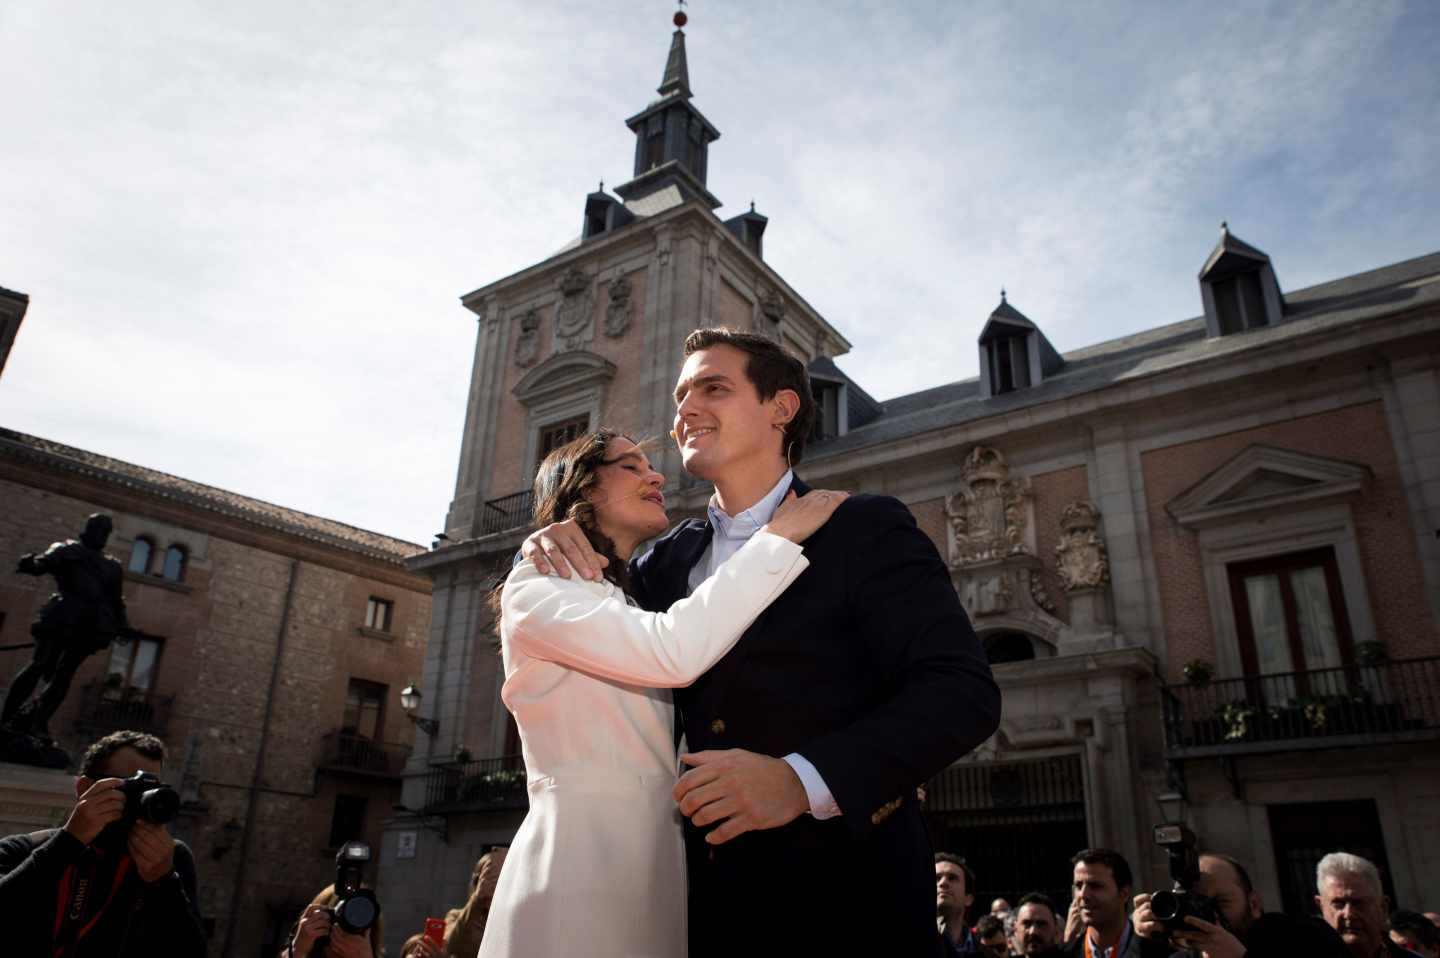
561 484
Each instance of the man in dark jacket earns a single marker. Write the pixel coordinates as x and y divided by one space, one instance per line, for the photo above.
97 887
859 683
1246 928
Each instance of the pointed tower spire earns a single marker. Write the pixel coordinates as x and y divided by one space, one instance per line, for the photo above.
677 70
672 137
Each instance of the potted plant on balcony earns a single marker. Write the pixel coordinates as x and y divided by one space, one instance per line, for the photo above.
1198 672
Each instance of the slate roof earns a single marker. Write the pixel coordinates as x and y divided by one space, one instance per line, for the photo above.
1337 303
54 455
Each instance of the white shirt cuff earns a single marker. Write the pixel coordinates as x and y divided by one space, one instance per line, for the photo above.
822 803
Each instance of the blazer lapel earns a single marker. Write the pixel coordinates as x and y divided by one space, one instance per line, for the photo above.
722 674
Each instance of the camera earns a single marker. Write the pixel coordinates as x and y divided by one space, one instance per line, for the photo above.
1172 907
357 908
148 798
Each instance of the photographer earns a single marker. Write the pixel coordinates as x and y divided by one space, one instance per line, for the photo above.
318 935
110 882
465 927
1243 928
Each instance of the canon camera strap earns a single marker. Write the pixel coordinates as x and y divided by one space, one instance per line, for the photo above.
87 889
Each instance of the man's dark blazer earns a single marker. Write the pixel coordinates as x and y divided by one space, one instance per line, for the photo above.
868 667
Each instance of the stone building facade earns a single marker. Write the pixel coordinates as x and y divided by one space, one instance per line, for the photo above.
277 645
1204 559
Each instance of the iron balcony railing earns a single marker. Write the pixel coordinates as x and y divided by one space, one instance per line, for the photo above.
106 708
1393 701
348 752
487 783
506 513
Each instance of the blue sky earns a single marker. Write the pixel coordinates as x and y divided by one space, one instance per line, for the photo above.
244 230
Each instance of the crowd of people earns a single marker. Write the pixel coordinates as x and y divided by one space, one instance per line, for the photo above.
112 881
1108 917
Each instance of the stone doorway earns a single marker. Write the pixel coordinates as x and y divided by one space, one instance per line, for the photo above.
1016 823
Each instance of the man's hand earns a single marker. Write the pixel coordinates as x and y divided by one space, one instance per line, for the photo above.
153 850
490 873
560 545
345 945
1212 941
747 790
101 804
1144 919
314 925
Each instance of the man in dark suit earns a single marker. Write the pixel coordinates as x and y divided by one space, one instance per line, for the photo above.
807 741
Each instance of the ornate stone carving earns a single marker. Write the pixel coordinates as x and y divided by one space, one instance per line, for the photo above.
772 305
1038 593
527 346
990 515
1080 558
575 313
617 313
988 593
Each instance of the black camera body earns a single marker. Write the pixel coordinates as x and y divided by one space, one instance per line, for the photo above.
148 799
358 908
1172 907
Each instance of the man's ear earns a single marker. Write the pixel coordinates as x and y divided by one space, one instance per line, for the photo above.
1257 907
82 785
785 403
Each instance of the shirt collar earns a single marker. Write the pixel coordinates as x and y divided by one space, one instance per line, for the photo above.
747 523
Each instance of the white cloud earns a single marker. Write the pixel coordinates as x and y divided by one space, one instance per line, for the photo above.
245 229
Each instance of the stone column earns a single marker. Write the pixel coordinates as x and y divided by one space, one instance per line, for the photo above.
1412 398
1119 495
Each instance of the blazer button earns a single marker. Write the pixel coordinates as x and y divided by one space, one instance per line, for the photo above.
717 727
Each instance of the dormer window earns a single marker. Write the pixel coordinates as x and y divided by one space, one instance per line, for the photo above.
828 400
1014 354
1239 304
1009 363
1238 288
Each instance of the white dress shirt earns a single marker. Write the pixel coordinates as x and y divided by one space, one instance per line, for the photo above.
730 534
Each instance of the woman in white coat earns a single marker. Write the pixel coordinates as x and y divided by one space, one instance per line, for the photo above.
597 869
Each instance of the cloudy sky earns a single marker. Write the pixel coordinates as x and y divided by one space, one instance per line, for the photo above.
244 228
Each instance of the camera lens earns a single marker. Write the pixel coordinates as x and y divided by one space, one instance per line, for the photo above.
1165 906
159 805
357 913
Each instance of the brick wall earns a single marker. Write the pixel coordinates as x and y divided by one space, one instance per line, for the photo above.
221 631
1382 520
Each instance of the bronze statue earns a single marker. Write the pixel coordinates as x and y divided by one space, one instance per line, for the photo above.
84 617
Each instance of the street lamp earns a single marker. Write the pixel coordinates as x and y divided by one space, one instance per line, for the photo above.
410 704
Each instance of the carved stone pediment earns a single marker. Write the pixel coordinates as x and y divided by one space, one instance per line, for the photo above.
1080 558
575 313
990 517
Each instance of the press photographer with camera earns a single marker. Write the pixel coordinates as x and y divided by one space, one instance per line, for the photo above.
344 920
111 882
1214 910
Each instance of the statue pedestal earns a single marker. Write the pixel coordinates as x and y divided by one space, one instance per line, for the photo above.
33 798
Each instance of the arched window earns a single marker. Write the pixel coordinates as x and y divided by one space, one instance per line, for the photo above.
1008 647
140 555
174 563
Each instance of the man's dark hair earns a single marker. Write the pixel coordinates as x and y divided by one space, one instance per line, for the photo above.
1246 885
1113 860
987 926
97 754
1412 924
1036 898
770 368
957 860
